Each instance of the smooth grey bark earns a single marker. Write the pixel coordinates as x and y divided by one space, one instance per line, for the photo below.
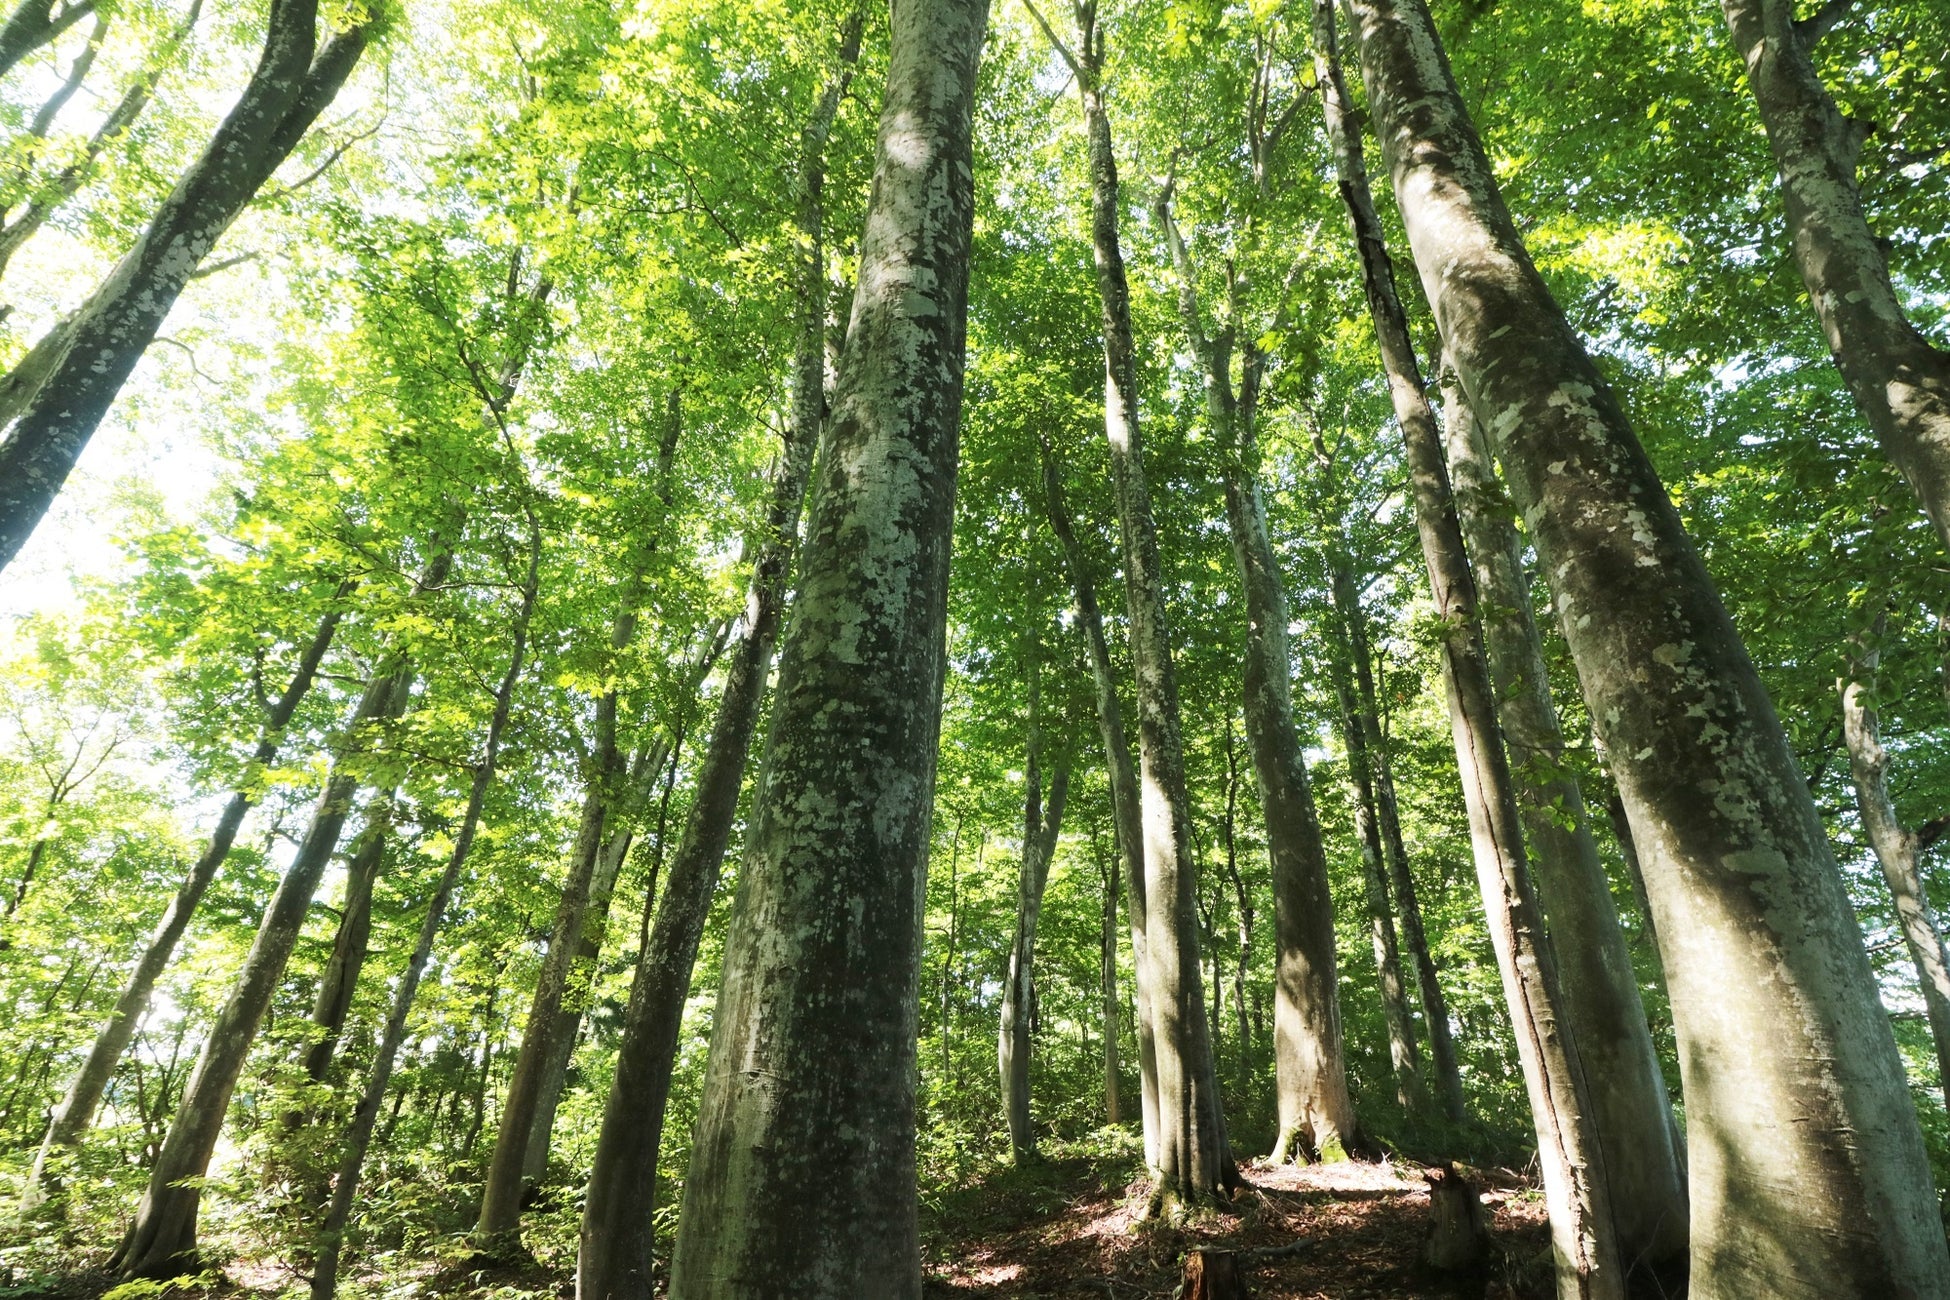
1895 846
1644 1163
39 200
802 1168
338 1214
1900 381
1577 1190
1310 1067
1193 1159
1125 801
32 24
1435 1005
161 1242
1040 827
1403 1057
293 82
76 1112
1807 1169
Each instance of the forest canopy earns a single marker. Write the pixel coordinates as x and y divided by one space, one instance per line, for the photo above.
1001 647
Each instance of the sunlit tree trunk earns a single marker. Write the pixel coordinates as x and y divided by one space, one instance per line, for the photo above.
294 81
1895 846
1576 1188
1636 1133
1786 1055
1900 381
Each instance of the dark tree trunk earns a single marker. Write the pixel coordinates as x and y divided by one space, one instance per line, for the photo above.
32 24
1435 1006
1773 999
340 979
338 1214
292 84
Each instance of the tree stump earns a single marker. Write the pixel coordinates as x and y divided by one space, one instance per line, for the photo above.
1213 1275
1458 1239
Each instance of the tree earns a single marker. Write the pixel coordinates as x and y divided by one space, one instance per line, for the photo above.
813 1047
1772 996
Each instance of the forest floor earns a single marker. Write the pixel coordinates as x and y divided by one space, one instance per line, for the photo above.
1073 1224
1073 1227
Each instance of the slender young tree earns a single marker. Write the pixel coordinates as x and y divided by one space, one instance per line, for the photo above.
1773 1000
1897 848
1310 1067
76 1112
1899 379
76 381
338 1213
1040 826
1193 1160
1125 802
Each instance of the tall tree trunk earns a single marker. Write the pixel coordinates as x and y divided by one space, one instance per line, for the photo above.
1402 1055
1193 1159
287 91
497 1231
1435 1006
1773 999
76 1113
1315 1109
1039 831
1576 1186
614 1260
338 1214
575 1004
1900 381
1125 802
1895 846
161 1242
1640 1143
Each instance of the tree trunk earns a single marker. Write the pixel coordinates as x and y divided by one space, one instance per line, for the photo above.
76 1113
1107 984
1039 834
1576 1187
338 1215
32 24
614 1261
1895 847
42 199
1435 1006
288 89
1900 381
1315 1109
562 1045
1402 1054
1125 802
1773 999
340 979
162 1240
1629 1106
1192 1160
